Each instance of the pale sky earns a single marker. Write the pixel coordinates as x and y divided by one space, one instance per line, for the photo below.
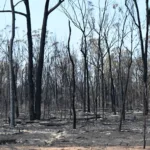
57 21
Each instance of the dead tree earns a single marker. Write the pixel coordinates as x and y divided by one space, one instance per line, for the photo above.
10 49
30 55
112 88
144 53
81 8
101 54
73 80
124 90
30 61
39 69
14 78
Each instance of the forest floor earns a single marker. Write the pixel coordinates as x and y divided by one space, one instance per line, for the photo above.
57 134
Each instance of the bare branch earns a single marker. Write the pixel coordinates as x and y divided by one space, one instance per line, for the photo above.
16 12
74 21
18 3
131 14
53 8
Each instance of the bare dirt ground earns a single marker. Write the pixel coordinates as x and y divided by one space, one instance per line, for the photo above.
71 148
57 134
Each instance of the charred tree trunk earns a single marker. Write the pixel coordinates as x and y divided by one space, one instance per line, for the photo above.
101 57
86 74
73 80
30 62
112 89
122 117
84 84
144 52
41 58
40 64
14 78
10 48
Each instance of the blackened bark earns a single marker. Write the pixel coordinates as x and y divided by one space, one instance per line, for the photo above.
112 88
14 79
41 59
101 57
84 84
87 71
112 84
86 74
88 90
30 62
10 48
122 117
144 52
73 80
144 58
40 64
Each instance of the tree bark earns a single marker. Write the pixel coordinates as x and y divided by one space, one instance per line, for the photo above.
10 48
73 80
14 78
41 58
144 52
40 64
112 89
30 62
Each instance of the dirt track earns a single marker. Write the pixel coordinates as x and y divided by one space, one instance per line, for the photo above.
70 148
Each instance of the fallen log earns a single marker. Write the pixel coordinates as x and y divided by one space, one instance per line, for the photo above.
7 141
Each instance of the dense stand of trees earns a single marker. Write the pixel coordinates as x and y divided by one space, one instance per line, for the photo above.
41 76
